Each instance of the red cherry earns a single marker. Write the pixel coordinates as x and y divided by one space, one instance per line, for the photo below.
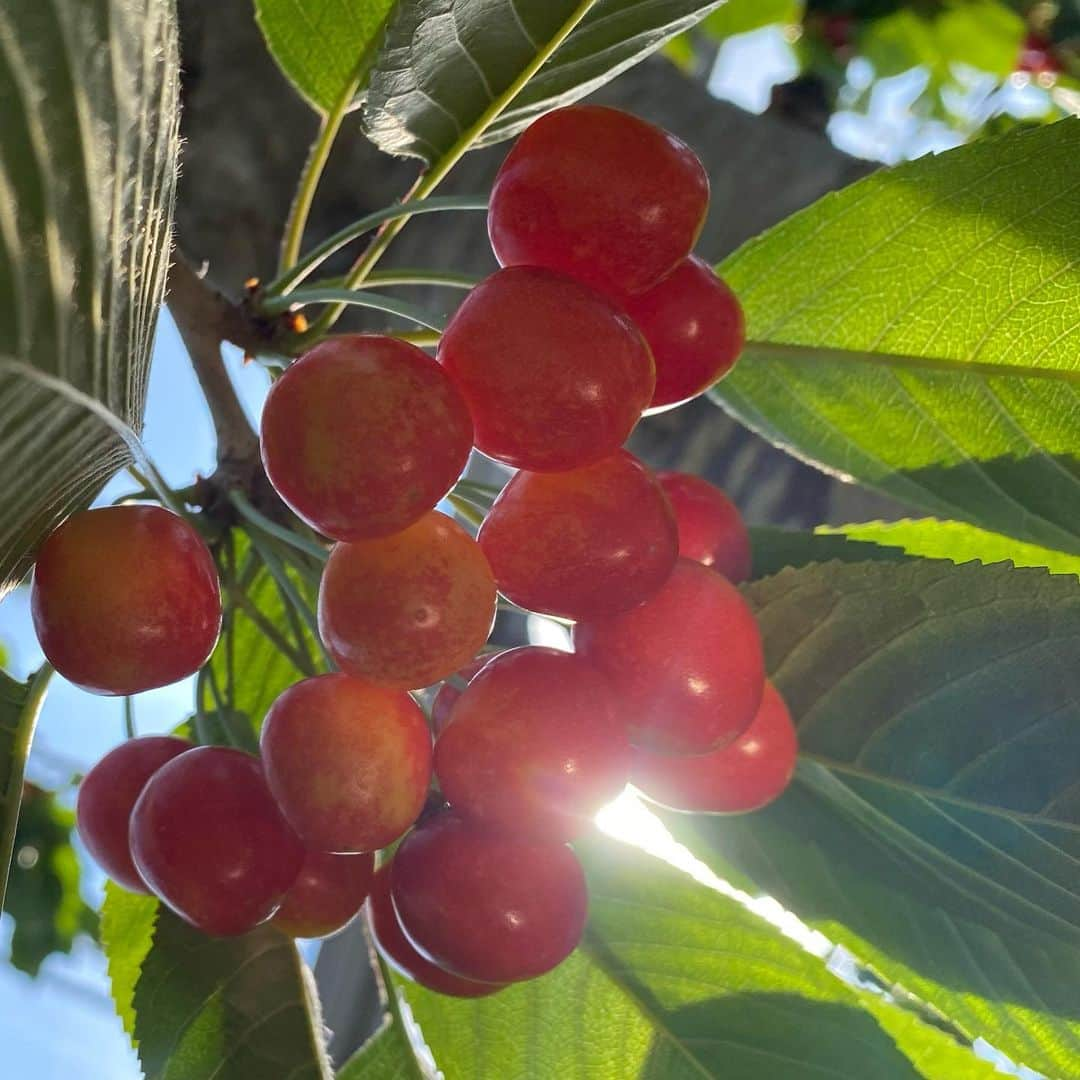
535 745
448 693
694 326
686 665
600 195
209 840
746 775
488 905
587 542
348 761
107 795
391 941
711 529
363 435
327 893
1037 56
125 598
409 609
556 377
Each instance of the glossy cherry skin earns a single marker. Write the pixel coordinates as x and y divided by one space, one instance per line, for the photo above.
209 841
363 435
348 761
535 744
711 529
107 795
555 375
327 893
445 699
391 941
600 195
746 775
488 905
694 326
409 609
686 665
586 542
125 598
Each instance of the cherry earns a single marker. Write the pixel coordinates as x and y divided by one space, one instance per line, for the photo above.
488 905
556 376
600 195
534 745
694 326
1037 56
590 541
448 693
209 841
746 775
348 761
409 609
363 435
327 893
107 795
125 598
391 941
686 665
711 529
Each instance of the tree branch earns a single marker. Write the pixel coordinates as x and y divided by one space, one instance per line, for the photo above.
205 320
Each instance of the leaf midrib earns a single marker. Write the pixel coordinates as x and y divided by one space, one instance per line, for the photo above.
909 787
764 351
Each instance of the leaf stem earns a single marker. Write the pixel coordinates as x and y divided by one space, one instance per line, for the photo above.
329 127
20 751
318 255
434 176
288 587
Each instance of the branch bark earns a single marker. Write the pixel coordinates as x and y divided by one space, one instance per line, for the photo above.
205 320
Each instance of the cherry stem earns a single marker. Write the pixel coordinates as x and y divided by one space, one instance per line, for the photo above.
312 172
318 255
242 601
129 717
283 533
276 304
289 588
470 512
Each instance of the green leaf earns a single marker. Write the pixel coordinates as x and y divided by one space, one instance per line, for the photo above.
387 1055
672 980
324 47
944 702
869 890
742 16
127 935
775 549
43 888
917 332
20 706
88 93
955 540
933 825
231 1008
448 66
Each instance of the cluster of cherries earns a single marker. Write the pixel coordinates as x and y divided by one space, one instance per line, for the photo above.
599 313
